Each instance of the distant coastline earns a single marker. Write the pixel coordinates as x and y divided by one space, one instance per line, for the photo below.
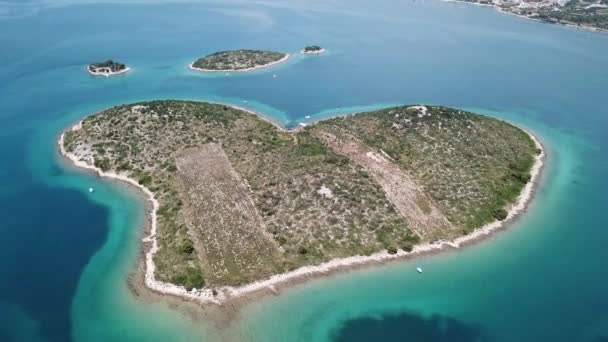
253 290
501 10
257 67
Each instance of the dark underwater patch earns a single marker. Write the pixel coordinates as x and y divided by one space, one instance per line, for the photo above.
408 327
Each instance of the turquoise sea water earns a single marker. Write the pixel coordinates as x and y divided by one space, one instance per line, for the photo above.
65 254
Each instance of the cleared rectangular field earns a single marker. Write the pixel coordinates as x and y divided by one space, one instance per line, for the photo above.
222 220
401 189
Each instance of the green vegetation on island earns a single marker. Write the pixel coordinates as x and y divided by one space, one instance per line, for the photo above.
107 67
472 166
238 60
241 200
312 49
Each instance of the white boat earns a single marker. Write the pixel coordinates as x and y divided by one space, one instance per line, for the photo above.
419 269
274 75
307 117
91 190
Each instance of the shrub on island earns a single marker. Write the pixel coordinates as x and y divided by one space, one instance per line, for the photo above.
312 49
107 67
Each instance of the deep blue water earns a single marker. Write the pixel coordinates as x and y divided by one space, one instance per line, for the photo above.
45 283
65 254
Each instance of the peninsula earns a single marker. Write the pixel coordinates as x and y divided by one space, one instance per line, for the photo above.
107 68
238 60
312 49
240 204
589 14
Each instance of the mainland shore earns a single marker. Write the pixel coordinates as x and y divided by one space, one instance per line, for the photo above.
501 10
284 59
223 304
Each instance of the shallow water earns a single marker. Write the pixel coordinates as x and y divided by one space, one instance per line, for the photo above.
65 254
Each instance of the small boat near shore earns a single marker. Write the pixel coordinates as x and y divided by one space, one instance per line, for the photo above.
91 190
419 269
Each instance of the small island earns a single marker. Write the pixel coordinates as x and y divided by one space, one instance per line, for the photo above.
312 49
238 60
239 204
107 68
588 14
